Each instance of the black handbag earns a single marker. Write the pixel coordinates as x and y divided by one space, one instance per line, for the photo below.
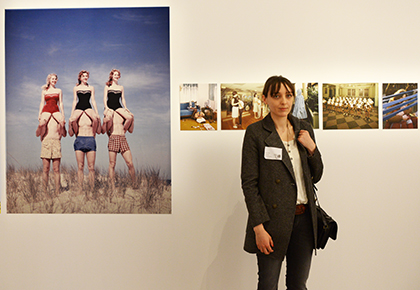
327 226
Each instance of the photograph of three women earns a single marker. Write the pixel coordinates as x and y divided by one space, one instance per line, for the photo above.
87 101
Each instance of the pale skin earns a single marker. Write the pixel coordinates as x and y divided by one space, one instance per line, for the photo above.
44 117
85 129
91 113
118 129
52 132
128 118
280 105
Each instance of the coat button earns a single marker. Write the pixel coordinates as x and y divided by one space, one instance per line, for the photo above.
274 206
277 181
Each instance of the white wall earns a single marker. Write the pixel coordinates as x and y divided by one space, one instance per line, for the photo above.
371 178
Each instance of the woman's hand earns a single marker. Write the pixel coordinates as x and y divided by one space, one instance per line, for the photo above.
263 239
305 139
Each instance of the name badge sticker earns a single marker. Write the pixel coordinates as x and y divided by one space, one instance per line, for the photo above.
273 153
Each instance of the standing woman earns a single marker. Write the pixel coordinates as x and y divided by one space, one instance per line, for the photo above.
280 164
113 93
83 96
235 108
51 104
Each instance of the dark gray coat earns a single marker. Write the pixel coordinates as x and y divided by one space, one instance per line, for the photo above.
269 186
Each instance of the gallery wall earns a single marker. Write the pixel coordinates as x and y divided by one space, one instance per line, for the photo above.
370 183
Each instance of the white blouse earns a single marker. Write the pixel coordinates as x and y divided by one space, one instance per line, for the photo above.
292 150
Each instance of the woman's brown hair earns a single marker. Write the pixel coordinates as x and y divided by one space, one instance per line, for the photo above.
80 74
273 85
109 82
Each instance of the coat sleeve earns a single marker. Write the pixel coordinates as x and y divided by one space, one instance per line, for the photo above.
315 161
249 177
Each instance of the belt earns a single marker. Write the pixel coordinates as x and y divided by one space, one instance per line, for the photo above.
301 208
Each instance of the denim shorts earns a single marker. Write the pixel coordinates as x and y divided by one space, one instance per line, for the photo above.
85 144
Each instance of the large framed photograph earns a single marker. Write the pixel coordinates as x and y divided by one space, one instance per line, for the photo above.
88 110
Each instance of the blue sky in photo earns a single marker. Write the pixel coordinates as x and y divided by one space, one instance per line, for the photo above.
66 41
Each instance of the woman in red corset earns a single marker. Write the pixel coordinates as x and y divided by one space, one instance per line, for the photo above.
50 107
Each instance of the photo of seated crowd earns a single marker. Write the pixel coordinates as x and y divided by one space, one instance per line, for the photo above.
399 103
350 106
241 105
198 109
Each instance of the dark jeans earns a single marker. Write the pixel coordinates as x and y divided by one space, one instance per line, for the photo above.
298 259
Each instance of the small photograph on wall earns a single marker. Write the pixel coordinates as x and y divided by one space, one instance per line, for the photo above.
350 106
241 105
306 103
198 107
399 105
88 111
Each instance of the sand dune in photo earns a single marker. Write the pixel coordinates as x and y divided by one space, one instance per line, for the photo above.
25 193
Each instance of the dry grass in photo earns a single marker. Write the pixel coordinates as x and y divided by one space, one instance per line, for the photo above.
26 194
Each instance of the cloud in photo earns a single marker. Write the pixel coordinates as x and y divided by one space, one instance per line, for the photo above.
133 40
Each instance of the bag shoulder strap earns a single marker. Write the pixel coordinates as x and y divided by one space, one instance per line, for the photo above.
316 196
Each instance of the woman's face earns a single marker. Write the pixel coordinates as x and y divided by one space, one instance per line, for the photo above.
84 78
116 76
53 80
280 103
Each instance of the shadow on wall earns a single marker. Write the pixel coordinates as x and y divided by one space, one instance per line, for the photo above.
227 271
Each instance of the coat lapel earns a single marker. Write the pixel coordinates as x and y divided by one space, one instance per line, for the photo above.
273 140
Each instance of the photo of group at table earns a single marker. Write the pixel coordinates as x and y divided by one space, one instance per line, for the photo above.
198 107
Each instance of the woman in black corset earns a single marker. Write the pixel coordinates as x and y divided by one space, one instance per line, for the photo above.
84 95
114 102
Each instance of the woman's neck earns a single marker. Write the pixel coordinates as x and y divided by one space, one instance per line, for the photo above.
284 128
280 122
